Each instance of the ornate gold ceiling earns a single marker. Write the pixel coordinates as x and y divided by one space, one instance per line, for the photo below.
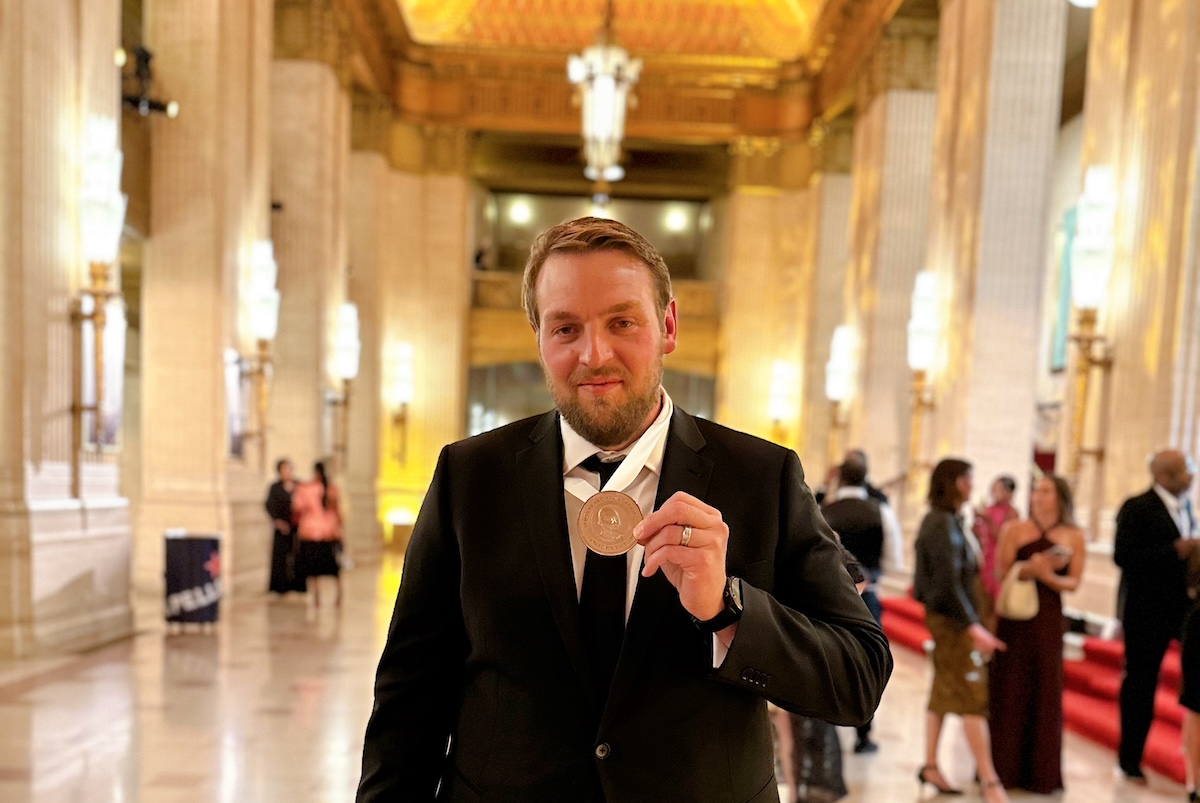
772 30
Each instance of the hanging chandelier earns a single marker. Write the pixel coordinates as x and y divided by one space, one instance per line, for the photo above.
604 74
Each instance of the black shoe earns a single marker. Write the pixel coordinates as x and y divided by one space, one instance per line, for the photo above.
1133 775
865 745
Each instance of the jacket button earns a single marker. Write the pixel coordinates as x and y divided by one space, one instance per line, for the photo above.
602 750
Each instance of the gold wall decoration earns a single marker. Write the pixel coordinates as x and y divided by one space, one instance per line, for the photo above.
370 122
314 30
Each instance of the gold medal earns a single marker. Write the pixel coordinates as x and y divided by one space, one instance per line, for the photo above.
606 523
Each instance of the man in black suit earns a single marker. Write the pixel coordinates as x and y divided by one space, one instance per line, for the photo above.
1153 541
867 528
522 666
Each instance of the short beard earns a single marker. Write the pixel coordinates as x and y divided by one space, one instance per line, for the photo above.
603 424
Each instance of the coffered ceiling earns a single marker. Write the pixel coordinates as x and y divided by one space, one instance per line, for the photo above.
757 30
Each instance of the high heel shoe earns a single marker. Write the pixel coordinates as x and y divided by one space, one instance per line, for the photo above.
923 778
987 786
1193 797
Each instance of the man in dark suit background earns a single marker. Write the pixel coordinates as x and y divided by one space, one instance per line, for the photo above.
1155 536
521 666
869 530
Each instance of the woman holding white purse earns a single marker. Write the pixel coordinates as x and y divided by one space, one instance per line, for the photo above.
1027 680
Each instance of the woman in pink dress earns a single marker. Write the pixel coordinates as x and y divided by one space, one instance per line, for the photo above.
319 528
988 523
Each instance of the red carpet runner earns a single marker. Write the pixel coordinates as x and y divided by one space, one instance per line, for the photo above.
1091 686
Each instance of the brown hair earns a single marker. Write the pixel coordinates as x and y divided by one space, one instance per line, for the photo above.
1066 502
585 235
943 484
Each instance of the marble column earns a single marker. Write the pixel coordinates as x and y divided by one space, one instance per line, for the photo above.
765 309
999 86
64 558
371 243
1140 119
888 231
827 219
208 178
425 302
310 150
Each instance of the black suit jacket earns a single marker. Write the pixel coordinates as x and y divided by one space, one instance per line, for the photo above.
485 652
1153 586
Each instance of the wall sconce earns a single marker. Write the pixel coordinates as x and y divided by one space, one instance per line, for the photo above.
402 395
262 309
137 96
102 219
922 351
839 385
346 351
780 399
1091 255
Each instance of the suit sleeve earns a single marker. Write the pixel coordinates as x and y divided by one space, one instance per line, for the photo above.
1137 548
809 645
418 683
941 562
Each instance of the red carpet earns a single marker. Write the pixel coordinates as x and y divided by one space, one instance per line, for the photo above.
1091 687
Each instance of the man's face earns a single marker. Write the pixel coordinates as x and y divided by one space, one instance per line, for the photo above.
601 343
1177 474
285 472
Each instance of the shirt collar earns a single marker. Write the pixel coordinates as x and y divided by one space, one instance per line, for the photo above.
851 492
576 448
1169 499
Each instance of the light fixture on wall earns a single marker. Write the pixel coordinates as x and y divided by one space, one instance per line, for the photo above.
262 311
839 385
780 399
101 221
346 351
402 390
137 85
1092 250
922 351
605 75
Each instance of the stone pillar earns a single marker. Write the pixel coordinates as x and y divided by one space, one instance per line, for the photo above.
208 174
888 231
64 559
999 86
310 149
1140 118
425 301
371 243
826 221
765 309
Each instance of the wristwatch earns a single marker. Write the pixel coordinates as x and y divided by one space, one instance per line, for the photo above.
730 614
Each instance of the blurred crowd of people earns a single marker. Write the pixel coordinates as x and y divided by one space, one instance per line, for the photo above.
307 532
997 664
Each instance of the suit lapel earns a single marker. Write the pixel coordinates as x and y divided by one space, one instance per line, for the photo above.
540 476
684 469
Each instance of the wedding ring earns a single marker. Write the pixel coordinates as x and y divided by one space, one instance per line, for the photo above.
686 536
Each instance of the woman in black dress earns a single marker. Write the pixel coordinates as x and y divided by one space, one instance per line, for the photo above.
284 577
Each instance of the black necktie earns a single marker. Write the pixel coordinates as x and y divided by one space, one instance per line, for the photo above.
602 600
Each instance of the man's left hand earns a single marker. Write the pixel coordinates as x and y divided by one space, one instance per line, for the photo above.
697 570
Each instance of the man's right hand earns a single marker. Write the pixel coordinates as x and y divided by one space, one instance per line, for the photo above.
283 526
1186 547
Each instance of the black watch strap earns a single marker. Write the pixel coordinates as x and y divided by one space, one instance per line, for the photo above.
728 615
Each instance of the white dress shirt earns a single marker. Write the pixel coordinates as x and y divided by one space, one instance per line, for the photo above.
643 489
1179 511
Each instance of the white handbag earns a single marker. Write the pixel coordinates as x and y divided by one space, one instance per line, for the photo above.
1018 599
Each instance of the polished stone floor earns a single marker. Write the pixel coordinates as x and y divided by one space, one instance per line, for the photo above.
270 705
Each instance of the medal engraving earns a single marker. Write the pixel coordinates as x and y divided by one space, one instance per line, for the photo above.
606 523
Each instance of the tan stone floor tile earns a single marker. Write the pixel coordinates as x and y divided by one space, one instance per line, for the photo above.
269 707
